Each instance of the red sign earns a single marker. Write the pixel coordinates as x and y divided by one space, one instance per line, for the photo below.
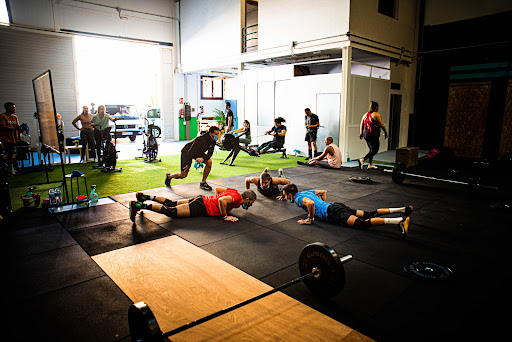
181 100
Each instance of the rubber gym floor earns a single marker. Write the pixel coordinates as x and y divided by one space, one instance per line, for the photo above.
56 291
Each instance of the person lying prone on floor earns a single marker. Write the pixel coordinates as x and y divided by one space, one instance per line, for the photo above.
314 202
216 205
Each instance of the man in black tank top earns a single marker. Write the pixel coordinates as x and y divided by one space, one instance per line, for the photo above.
267 185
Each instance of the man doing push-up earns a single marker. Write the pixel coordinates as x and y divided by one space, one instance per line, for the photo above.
315 203
217 205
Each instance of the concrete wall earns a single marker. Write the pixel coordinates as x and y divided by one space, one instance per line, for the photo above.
442 11
210 33
284 21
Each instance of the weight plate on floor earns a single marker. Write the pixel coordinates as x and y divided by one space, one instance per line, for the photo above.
398 174
427 270
358 179
143 324
331 280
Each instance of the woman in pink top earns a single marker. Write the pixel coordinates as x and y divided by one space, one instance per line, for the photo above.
329 159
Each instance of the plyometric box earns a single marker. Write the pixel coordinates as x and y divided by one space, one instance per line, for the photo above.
407 156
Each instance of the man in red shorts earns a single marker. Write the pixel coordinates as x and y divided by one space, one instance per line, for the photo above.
218 205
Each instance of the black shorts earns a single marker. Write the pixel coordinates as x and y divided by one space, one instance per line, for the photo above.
197 207
338 213
311 136
185 161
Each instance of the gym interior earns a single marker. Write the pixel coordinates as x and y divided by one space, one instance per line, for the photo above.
441 74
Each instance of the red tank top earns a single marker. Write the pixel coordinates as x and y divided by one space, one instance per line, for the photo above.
371 125
212 202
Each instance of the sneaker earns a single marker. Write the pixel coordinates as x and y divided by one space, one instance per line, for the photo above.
167 179
371 166
404 226
360 162
205 186
301 163
133 210
140 197
267 169
408 210
281 173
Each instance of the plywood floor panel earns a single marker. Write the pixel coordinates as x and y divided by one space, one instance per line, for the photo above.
182 283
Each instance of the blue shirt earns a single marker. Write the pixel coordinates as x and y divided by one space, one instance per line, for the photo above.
320 205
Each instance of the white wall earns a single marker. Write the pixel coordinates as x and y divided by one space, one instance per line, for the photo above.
281 22
366 21
210 33
442 11
148 20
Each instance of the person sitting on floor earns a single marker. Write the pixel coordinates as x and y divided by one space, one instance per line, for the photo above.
267 185
329 159
278 131
315 203
217 205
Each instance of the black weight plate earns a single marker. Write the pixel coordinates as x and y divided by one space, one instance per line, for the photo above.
143 324
427 270
398 174
358 179
332 273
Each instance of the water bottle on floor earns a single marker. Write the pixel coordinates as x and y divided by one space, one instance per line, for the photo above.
94 195
51 195
58 196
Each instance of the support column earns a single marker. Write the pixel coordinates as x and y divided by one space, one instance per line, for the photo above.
346 55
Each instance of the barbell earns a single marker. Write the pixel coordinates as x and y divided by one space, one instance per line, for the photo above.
398 174
321 270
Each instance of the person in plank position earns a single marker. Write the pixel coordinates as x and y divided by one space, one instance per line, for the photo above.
315 203
217 205
267 185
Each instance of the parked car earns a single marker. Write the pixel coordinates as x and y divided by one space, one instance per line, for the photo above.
153 118
129 124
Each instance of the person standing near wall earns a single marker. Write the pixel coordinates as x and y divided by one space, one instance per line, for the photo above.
100 122
93 108
371 123
312 123
86 133
9 126
230 119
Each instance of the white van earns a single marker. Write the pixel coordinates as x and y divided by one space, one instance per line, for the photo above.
129 124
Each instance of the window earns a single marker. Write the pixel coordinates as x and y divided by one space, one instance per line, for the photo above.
211 88
4 13
389 8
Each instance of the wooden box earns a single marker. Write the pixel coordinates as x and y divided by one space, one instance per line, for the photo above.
407 156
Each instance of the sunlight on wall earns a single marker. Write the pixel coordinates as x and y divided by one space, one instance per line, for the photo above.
4 16
117 72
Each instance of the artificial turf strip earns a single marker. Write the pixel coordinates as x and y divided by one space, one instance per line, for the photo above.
137 175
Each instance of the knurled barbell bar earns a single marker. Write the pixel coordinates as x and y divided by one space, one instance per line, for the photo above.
399 173
321 270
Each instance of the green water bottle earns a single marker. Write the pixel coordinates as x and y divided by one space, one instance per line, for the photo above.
94 195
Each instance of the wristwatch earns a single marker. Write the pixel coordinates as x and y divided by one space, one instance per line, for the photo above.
308 219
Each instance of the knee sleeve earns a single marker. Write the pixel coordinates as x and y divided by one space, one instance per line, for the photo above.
168 203
362 224
171 212
370 214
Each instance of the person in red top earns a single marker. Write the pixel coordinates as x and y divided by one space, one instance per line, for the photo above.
220 204
371 123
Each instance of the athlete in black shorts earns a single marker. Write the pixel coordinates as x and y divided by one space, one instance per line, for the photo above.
197 149
315 203
312 123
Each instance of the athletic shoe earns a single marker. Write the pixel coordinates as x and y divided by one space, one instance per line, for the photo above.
281 173
301 163
371 166
267 169
140 197
205 186
133 210
408 210
167 179
360 162
404 226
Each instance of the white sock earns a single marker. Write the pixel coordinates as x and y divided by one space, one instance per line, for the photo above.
396 210
392 220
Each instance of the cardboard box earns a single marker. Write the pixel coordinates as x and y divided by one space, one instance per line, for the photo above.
407 156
